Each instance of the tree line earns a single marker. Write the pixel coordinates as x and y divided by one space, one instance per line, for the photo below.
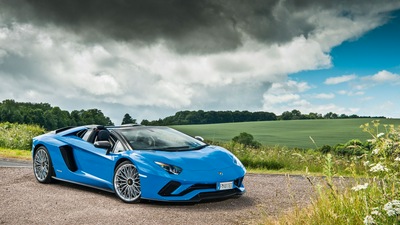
49 117
209 117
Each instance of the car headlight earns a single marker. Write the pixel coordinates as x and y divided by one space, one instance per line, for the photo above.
170 168
237 161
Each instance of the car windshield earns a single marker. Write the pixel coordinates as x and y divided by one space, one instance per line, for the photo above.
160 138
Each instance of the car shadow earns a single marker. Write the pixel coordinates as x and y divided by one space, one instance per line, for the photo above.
234 202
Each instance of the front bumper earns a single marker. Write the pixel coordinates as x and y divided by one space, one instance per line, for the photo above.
204 191
192 187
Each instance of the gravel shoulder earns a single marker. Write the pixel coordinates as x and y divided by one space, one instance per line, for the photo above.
25 201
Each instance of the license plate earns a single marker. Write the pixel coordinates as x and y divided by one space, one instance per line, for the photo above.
225 185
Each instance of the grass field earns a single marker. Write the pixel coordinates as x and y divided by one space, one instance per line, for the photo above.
15 154
289 133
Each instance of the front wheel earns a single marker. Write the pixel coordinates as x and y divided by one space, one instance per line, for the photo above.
42 166
127 182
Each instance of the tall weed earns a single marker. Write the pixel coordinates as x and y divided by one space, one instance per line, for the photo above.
18 136
285 159
375 199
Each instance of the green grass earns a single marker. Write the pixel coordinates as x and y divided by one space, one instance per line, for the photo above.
15 154
289 133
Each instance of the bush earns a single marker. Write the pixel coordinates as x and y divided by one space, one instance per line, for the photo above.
353 147
18 136
325 149
246 140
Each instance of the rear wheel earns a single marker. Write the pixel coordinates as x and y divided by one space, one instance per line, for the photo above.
127 182
42 166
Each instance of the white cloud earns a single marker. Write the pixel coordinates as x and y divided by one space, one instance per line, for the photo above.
340 79
293 95
351 92
150 75
324 96
331 107
384 76
272 99
289 86
47 63
285 96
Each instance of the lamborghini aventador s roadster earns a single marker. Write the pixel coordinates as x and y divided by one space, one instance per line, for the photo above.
138 162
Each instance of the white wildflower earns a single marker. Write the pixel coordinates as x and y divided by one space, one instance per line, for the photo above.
375 211
380 135
392 208
366 163
375 151
369 220
397 159
379 168
360 187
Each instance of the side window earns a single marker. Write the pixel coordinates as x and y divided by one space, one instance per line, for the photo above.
81 133
87 135
118 147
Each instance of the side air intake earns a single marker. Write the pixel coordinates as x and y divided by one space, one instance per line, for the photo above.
68 156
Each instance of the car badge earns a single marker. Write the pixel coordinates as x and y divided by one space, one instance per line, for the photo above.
220 173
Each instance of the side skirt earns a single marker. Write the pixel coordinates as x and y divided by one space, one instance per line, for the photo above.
86 185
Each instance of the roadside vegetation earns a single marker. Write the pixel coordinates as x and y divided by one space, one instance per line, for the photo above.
18 136
287 160
16 139
375 199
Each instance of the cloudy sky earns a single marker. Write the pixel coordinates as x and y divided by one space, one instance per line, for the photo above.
152 58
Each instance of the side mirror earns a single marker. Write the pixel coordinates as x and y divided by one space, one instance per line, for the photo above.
103 144
199 138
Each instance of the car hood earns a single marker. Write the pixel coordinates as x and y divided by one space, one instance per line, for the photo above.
207 158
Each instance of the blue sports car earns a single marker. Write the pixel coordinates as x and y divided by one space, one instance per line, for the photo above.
138 162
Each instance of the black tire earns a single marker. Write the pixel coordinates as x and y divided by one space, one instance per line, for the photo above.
42 166
127 182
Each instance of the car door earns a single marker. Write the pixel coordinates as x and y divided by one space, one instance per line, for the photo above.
95 167
92 166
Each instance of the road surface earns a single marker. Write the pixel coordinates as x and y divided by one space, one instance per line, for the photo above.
25 201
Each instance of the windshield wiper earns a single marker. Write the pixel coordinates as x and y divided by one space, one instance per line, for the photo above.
199 147
175 148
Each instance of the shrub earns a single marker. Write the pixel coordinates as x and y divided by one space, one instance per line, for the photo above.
353 147
246 140
325 149
18 136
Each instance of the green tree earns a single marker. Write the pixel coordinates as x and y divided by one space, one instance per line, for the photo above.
296 114
145 122
128 119
287 115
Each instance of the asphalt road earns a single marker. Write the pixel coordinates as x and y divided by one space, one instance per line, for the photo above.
4 162
25 201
